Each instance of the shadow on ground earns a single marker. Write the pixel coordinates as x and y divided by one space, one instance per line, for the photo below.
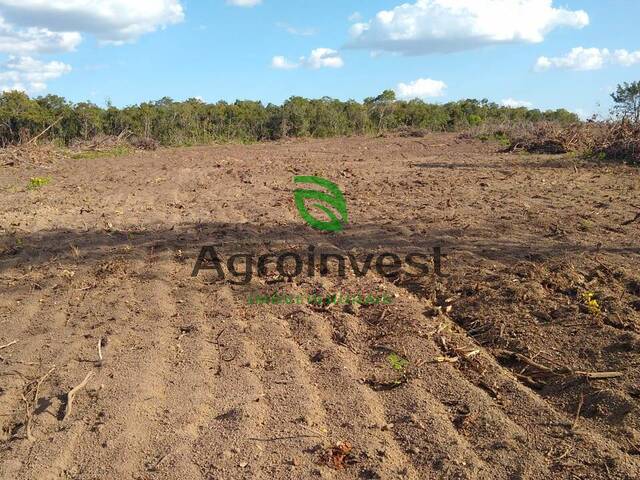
95 246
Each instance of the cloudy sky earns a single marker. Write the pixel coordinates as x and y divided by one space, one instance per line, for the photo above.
541 53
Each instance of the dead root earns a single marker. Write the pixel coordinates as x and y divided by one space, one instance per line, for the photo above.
30 399
558 371
73 392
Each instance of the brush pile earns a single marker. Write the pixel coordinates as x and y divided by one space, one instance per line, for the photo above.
547 137
29 154
105 143
619 141
98 143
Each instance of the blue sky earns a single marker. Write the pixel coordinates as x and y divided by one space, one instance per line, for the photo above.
449 49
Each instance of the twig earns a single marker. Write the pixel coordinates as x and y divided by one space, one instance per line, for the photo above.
562 370
157 465
275 439
528 361
537 384
579 409
8 344
27 414
72 393
28 411
600 375
100 352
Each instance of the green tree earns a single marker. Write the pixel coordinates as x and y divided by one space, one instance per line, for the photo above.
193 121
627 101
381 109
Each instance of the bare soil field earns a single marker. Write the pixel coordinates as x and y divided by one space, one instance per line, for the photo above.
521 362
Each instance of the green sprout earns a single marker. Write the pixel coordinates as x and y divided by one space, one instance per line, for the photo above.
397 362
37 182
591 303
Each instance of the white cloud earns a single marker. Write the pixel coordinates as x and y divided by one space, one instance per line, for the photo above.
513 103
626 58
244 3
35 40
431 26
580 58
111 21
31 27
319 58
421 88
281 63
30 75
324 58
577 59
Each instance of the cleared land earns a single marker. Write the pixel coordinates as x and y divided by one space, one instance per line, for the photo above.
489 372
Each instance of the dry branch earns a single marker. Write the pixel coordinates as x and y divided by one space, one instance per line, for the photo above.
600 375
8 344
578 410
73 392
28 409
100 352
561 370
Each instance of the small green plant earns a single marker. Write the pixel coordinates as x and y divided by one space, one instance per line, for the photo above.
503 139
37 182
397 362
591 303
500 137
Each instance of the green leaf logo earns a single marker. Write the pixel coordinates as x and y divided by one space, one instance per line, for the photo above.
335 198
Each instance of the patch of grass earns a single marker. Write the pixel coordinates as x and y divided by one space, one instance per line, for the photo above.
37 182
499 137
591 302
116 151
397 362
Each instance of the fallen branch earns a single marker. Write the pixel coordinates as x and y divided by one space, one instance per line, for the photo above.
28 410
600 375
537 384
8 344
27 414
562 370
578 410
73 392
528 361
100 352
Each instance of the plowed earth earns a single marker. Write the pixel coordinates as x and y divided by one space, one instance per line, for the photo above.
490 372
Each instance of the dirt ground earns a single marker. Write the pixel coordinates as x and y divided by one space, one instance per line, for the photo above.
490 372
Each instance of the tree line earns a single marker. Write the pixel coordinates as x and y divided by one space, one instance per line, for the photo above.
195 122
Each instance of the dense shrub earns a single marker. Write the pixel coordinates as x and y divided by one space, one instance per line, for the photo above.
195 122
